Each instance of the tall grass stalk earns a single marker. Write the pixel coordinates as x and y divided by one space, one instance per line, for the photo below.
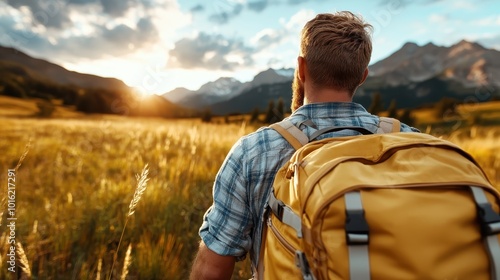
126 262
23 262
99 267
139 190
3 201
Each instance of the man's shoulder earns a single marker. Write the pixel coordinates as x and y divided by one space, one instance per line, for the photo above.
263 139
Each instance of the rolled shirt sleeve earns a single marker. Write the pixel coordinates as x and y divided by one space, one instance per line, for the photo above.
227 224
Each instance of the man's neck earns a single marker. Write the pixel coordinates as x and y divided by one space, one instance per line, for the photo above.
326 95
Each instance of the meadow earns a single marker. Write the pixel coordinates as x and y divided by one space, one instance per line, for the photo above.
74 187
76 183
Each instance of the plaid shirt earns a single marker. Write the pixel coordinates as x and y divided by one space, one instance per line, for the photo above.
233 224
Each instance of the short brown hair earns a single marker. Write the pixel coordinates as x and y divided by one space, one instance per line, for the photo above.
337 49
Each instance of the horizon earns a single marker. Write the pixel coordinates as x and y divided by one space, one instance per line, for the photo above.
156 46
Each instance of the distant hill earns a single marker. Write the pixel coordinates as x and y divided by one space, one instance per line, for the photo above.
58 74
23 76
413 76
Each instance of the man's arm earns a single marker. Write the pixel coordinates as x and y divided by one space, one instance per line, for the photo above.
210 265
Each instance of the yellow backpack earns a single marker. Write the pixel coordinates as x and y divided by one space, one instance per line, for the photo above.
381 206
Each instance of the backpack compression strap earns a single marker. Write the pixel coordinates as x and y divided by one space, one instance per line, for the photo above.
357 237
490 229
357 234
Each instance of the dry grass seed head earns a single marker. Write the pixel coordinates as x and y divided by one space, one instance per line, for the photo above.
141 187
23 262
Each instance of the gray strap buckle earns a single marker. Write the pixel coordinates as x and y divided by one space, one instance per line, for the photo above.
301 262
285 214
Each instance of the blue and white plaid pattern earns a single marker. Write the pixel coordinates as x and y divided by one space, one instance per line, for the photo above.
233 224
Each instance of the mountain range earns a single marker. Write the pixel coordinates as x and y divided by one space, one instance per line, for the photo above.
413 76
224 89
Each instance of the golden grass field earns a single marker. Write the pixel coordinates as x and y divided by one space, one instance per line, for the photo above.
74 188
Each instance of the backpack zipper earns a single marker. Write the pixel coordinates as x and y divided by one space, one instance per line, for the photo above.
280 238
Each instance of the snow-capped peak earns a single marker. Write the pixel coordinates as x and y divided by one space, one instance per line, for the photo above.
285 72
220 87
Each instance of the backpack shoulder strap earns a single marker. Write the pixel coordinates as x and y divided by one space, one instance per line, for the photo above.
297 138
387 125
291 133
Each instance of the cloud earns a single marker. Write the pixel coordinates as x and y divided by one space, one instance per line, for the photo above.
46 13
491 42
207 51
404 3
122 35
258 6
225 12
55 13
269 37
295 2
290 29
197 8
84 31
115 7
116 41
438 18
488 21
120 40
273 45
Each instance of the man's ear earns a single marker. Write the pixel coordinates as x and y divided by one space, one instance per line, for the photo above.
365 75
301 68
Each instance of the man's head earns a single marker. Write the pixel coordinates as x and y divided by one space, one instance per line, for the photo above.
336 49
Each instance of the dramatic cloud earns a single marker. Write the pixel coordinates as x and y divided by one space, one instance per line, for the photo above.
116 41
83 30
55 13
46 13
122 35
210 52
116 7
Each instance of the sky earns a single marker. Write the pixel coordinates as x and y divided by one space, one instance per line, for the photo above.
155 46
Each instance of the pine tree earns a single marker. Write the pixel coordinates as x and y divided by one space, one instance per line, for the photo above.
280 110
270 115
206 116
392 111
254 118
445 108
376 106
407 118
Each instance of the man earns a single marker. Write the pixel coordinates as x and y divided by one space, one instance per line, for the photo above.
334 55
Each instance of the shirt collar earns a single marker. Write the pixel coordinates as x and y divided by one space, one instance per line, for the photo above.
331 110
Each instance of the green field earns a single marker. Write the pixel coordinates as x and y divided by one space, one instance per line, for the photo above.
78 178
